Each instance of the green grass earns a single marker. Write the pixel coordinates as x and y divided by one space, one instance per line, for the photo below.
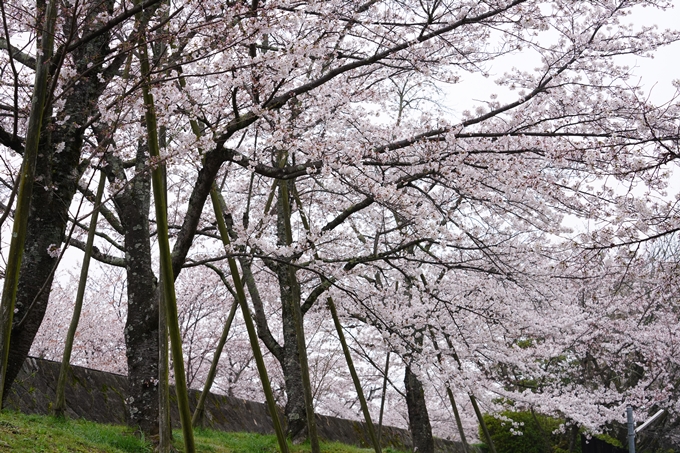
21 433
219 442
36 434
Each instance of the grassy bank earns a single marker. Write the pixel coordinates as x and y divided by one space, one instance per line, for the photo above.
21 433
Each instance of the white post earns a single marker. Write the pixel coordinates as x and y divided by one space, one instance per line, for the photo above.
631 430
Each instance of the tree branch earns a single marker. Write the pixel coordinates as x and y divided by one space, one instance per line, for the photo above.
106 212
14 143
22 57
98 255
128 13
348 212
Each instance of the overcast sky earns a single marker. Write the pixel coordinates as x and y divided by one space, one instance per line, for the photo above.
655 74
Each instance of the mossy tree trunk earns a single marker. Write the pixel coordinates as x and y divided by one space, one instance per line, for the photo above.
18 239
59 173
290 301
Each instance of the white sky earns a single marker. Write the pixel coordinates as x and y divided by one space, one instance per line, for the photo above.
656 74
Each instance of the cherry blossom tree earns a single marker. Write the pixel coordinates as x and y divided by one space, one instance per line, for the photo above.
85 60
99 342
325 125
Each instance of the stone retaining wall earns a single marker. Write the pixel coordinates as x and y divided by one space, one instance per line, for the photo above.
100 397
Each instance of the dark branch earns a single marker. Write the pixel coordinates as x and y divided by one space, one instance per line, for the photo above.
348 212
13 143
22 57
98 255
112 23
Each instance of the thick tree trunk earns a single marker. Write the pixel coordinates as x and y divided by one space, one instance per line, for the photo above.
25 188
57 175
45 227
141 328
419 421
292 299
296 412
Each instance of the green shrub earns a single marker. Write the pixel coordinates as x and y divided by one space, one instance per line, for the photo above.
525 432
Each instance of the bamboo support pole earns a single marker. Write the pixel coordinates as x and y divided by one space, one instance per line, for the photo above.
60 400
198 411
382 398
355 377
250 326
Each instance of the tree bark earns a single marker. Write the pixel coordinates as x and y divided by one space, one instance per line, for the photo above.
419 421
161 208
58 175
296 412
141 328
294 300
18 240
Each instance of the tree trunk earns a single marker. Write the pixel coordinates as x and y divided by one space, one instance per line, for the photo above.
58 175
141 328
419 421
296 412
296 312
165 258
18 240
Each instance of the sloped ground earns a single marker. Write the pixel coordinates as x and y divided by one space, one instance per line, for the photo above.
20 433
100 397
